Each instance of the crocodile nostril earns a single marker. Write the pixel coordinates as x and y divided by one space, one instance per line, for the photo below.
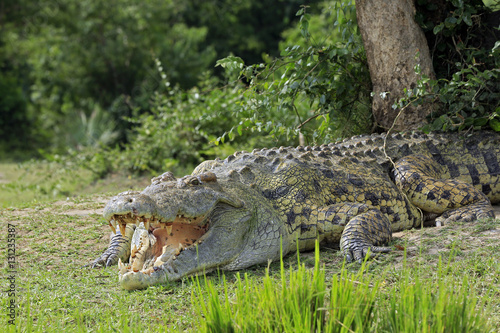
131 200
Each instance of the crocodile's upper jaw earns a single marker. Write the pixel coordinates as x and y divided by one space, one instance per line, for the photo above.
154 222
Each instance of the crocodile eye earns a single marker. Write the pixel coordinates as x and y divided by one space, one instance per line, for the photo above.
194 181
208 177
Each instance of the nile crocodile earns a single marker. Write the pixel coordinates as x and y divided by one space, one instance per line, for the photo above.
252 207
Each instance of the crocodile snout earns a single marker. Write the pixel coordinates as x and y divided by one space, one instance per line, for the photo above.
134 203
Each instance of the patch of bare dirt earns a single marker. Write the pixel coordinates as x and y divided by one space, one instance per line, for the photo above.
71 208
66 207
464 237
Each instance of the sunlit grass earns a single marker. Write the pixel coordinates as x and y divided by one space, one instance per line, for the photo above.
296 301
301 301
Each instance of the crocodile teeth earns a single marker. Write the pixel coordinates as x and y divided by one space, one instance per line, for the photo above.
122 228
140 243
168 252
146 224
121 267
112 225
133 251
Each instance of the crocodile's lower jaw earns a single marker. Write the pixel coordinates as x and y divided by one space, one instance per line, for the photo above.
133 280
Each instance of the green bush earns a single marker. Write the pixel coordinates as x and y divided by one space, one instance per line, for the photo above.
73 58
95 54
318 89
15 123
182 126
180 132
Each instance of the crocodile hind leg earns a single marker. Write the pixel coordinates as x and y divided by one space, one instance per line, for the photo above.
421 179
362 227
119 248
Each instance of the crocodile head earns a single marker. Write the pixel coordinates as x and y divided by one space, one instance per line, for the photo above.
183 226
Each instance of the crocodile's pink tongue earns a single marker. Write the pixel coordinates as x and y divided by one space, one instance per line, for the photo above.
178 234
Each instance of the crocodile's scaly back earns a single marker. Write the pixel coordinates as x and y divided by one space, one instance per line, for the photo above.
473 159
353 193
299 181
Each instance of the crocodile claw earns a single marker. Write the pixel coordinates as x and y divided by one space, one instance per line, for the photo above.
105 260
119 248
363 234
364 252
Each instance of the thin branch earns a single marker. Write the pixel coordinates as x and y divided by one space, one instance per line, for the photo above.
311 118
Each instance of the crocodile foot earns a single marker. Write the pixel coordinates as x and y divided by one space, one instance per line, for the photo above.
359 251
364 233
119 248
470 213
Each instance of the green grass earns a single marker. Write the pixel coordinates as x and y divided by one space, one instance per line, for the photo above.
301 301
446 279
35 182
446 303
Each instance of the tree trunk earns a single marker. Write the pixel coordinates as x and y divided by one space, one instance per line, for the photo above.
394 44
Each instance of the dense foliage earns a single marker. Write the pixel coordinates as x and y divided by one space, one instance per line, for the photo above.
68 67
318 89
464 39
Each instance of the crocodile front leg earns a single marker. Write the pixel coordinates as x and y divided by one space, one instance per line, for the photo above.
119 248
421 179
365 232
361 227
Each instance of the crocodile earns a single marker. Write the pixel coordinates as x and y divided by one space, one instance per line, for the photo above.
254 207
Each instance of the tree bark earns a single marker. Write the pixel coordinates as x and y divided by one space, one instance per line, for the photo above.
394 44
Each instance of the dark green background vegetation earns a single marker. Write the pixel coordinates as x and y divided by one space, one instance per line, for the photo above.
159 84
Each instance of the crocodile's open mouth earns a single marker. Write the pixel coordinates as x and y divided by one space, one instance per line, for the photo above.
156 241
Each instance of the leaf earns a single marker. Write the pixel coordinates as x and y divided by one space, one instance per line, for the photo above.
450 22
497 44
494 124
322 99
437 29
480 121
467 20
231 63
